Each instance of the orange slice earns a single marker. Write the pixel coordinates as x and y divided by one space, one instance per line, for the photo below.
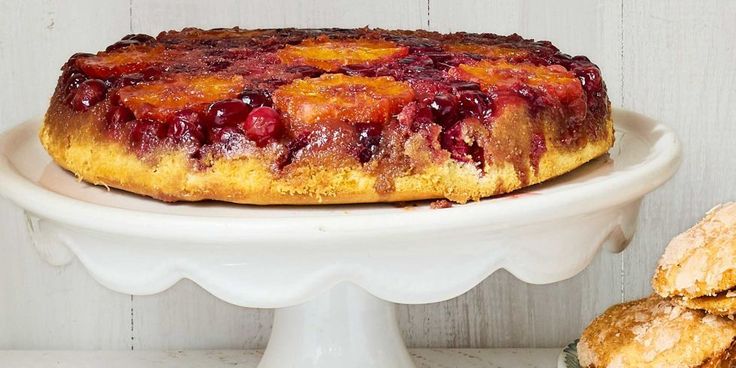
334 98
134 59
158 99
554 80
330 55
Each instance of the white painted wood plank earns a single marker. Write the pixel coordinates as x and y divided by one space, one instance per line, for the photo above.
424 358
43 306
679 67
154 16
188 317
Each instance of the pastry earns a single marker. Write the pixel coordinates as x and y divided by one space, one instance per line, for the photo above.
318 116
698 268
657 333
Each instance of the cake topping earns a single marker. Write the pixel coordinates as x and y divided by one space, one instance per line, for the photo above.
335 87
335 98
159 99
330 55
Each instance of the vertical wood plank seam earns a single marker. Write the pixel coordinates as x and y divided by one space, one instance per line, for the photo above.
130 15
132 324
429 17
623 93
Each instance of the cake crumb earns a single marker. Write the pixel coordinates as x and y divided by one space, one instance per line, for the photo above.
440 203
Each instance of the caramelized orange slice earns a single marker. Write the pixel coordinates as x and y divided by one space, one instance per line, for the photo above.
554 80
156 100
133 60
330 55
334 98
492 51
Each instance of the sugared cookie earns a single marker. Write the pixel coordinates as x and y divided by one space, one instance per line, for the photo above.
698 267
654 332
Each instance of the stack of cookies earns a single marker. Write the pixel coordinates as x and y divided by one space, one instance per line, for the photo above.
689 322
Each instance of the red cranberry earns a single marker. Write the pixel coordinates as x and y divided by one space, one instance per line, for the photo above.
263 125
227 138
185 126
88 94
146 135
444 108
227 113
256 98
358 70
140 37
218 65
369 137
306 71
117 116
464 86
452 140
73 81
474 103
292 148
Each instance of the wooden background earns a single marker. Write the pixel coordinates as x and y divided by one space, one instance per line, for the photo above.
673 60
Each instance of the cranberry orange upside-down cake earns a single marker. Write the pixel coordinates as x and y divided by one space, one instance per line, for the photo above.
316 116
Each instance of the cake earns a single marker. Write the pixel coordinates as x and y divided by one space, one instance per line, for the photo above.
698 268
657 333
320 116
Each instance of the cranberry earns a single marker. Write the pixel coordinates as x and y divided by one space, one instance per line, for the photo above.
256 98
140 37
218 65
228 138
464 86
590 78
146 135
79 55
263 125
452 140
292 148
444 108
117 116
306 71
358 70
227 113
121 44
185 126
88 94
132 39
73 81
369 136
474 103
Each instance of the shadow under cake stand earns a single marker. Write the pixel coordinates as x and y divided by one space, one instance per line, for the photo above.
333 272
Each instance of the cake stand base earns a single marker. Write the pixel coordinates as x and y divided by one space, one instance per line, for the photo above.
343 327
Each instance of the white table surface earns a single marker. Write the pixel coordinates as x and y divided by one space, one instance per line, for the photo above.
424 358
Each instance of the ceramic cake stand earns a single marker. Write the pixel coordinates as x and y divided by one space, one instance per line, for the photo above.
334 272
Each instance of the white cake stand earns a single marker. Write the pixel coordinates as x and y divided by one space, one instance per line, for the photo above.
333 272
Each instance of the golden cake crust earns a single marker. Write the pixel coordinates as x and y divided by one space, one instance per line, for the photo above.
701 261
655 332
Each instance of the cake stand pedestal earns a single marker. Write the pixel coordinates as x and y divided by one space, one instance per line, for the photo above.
334 272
